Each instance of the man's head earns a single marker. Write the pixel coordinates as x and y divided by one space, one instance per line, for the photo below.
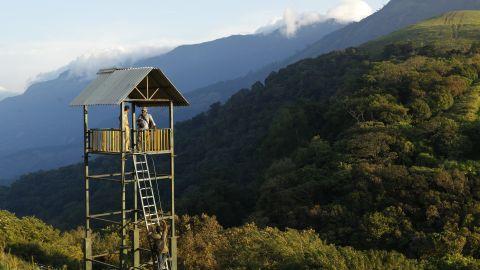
144 110
158 229
126 108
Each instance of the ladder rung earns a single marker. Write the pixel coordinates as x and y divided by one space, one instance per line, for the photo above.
147 197
161 218
150 205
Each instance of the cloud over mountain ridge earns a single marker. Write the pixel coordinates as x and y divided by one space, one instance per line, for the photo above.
291 21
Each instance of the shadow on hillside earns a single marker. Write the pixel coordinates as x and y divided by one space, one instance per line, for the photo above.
33 252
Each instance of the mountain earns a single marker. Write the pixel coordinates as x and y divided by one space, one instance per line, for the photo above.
39 132
44 133
199 65
4 94
395 15
373 151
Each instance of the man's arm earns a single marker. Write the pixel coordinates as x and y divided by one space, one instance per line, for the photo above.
151 119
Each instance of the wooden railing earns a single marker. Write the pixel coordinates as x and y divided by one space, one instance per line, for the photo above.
105 140
153 140
109 140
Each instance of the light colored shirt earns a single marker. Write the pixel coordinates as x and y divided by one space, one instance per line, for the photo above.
145 122
125 120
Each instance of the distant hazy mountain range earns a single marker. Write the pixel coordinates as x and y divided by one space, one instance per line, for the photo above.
5 93
194 66
42 132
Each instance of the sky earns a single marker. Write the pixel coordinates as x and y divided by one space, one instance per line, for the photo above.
38 37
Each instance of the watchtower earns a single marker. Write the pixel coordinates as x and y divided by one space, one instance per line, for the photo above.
138 87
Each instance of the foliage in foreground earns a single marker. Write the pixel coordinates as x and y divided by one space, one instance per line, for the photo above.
10 262
203 244
32 240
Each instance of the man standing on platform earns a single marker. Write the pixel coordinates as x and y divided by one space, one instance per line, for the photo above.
144 123
145 120
126 127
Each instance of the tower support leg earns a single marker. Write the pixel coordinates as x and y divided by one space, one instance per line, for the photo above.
123 248
136 248
87 249
88 252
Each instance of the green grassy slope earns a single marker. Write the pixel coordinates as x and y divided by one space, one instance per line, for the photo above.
453 30
395 15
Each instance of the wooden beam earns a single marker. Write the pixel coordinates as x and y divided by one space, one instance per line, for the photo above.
104 263
147 86
106 220
110 175
156 90
147 100
104 254
140 93
111 213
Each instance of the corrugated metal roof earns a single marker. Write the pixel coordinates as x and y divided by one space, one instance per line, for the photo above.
112 86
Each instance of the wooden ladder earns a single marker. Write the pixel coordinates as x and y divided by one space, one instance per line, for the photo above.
147 196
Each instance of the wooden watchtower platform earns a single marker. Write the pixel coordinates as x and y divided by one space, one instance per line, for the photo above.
138 87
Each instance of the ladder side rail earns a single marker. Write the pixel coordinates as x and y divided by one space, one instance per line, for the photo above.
145 186
135 162
151 187
147 211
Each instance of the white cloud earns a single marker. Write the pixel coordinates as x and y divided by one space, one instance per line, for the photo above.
350 10
291 22
86 65
4 93
25 63
347 11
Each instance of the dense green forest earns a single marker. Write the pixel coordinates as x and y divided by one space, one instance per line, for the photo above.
204 244
374 147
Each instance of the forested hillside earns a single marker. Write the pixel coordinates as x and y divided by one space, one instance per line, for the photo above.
371 150
28 243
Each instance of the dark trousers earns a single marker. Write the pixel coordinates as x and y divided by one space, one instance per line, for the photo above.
161 261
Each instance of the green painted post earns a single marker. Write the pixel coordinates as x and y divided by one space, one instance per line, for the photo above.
123 250
136 232
136 248
87 254
172 187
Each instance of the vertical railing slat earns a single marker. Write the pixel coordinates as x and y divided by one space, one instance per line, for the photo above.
109 140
